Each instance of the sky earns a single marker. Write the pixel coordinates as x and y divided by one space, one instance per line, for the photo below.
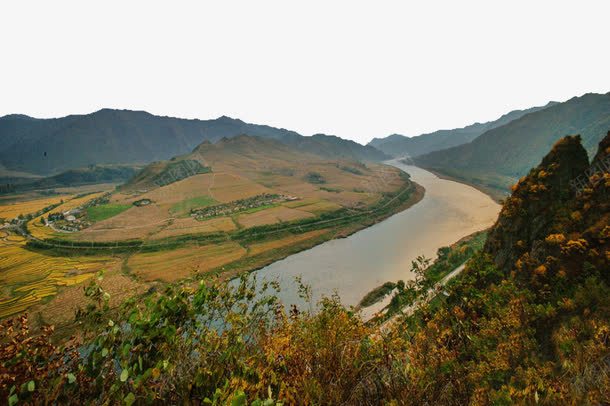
354 69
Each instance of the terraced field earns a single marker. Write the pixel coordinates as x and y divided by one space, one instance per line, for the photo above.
11 210
258 204
28 277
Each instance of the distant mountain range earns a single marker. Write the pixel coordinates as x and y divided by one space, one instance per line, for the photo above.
49 146
93 174
398 145
502 155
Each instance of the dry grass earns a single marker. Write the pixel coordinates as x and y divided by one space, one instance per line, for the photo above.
271 216
12 210
169 266
28 277
175 192
61 308
255 249
228 187
136 222
319 207
192 226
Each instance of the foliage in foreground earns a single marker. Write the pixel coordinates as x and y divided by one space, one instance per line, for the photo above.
527 322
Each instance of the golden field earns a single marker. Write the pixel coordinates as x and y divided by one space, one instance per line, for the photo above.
11 210
28 277
181 263
52 284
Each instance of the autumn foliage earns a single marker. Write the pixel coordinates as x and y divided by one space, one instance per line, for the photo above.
527 322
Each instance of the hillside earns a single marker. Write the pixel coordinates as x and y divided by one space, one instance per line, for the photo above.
500 156
398 145
49 146
527 322
93 174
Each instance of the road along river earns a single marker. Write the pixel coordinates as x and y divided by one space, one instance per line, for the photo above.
383 252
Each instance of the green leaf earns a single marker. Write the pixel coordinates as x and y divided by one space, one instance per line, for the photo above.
13 400
239 399
129 399
124 375
104 352
31 386
71 378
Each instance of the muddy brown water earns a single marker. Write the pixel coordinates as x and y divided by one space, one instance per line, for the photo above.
383 252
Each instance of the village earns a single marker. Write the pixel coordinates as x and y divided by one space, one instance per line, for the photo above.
241 205
75 219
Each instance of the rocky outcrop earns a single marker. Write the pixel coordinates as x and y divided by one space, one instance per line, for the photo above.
528 215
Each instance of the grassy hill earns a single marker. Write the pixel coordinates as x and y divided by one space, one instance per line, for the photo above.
502 155
398 145
49 146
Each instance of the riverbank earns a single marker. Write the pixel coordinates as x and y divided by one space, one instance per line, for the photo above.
496 194
353 266
252 264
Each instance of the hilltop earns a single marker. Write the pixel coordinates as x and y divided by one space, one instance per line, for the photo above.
502 155
49 146
398 145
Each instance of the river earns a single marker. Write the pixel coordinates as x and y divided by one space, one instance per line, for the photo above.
383 252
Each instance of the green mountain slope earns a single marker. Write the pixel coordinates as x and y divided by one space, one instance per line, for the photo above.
398 145
500 156
93 174
48 146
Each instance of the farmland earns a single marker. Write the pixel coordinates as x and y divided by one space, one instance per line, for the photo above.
27 277
249 208
102 212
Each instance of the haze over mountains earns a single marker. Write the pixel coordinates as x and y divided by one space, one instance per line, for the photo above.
49 146
398 145
490 155
501 155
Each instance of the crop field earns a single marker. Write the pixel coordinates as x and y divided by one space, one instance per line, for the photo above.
61 308
184 207
11 210
314 206
258 248
228 187
271 216
104 211
52 285
191 226
173 193
180 263
136 222
27 277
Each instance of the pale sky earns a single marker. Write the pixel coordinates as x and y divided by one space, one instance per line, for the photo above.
354 69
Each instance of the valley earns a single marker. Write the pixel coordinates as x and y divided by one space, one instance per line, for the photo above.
225 208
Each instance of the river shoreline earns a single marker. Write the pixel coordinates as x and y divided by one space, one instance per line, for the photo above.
383 252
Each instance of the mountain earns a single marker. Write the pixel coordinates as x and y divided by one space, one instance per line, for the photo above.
500 156
242 154
49 146
333 147
93 174
526 322
398 145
